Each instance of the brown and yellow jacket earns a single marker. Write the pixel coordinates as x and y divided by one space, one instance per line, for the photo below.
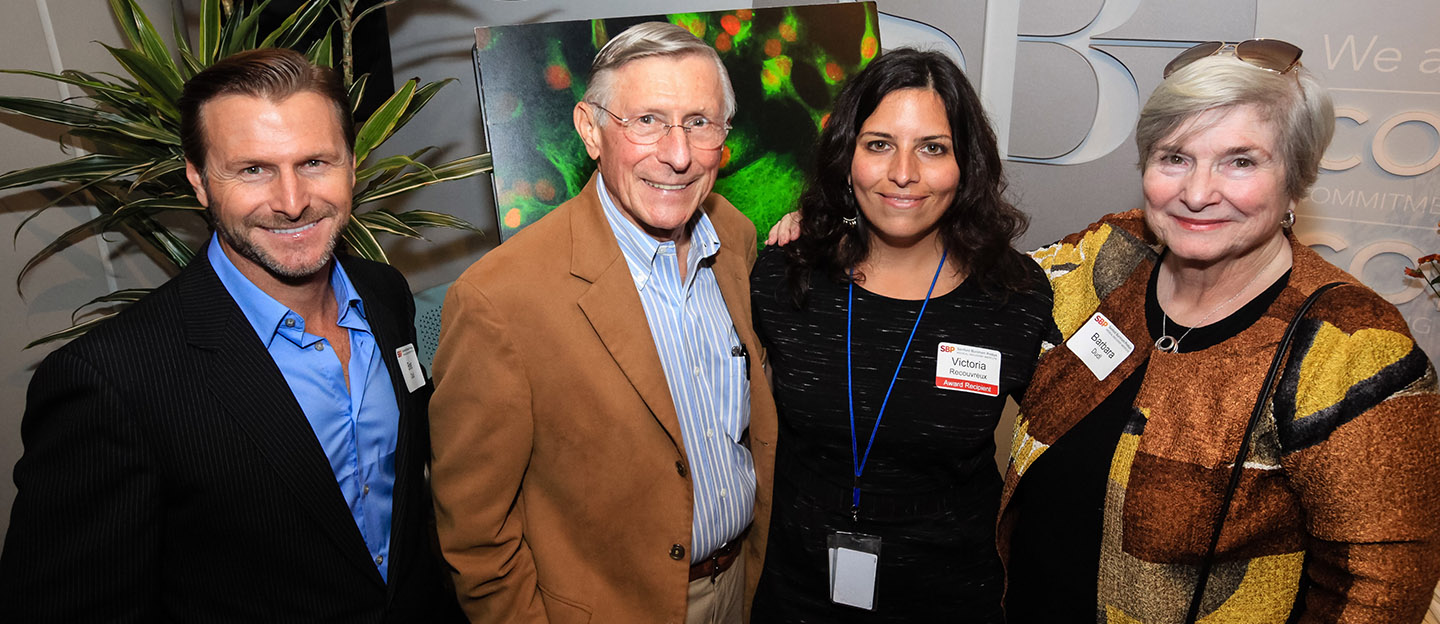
1337 514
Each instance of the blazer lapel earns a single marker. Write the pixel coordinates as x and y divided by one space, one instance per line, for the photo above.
250 389
389 328
612 305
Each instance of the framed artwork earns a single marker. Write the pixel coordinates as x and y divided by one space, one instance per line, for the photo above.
786 63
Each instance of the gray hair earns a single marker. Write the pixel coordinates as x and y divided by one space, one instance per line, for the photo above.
1295 103
647 40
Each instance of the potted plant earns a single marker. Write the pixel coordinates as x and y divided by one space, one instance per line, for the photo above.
133 170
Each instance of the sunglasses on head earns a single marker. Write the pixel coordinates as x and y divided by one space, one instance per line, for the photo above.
1267 54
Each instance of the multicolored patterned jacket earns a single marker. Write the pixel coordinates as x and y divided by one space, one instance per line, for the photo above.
1340 493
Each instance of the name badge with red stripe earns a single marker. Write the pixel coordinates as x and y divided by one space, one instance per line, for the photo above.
967 369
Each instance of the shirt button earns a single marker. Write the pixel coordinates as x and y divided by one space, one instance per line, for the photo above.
680 468
319 346
722 492
677 552
709 433
365 490
289 322
379 560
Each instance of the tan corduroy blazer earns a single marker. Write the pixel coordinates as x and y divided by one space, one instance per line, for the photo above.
561 482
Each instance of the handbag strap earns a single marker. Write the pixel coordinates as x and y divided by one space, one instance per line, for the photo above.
1275 363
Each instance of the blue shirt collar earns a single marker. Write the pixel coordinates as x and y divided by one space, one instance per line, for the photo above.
641 250
268 316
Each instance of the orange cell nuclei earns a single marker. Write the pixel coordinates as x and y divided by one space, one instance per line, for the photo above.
557 77
731 24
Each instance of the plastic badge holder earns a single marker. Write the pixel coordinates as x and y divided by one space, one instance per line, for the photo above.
854 560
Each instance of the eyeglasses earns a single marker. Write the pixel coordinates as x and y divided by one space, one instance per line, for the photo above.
648 129
1267 54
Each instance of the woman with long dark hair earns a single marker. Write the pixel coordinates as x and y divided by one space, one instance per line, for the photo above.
896 326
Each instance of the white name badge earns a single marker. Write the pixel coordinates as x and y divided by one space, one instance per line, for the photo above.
410 367
967 369
1100 345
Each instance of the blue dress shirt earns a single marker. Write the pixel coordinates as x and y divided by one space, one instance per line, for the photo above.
355 426
705 368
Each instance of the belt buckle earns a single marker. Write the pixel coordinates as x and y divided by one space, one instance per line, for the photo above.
715 561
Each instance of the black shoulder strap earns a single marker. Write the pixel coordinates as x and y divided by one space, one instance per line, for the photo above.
1244 451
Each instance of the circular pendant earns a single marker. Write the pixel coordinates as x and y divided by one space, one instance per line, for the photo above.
1167 343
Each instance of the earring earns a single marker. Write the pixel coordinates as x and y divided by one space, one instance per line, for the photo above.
853 220
1288 221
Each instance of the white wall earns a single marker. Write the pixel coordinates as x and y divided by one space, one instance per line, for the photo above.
49 35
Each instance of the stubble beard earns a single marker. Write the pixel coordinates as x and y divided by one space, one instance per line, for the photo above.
254 253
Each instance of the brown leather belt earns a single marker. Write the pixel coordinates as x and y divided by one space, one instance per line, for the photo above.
720 560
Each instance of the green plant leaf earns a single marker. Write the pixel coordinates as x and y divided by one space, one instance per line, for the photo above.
296 25
381 221
96 225
72 331
124 295
81 169
143 37
209 35
319 53
243 35
84 117
80 190
357 91
151 205
117 144
422 97
392 166
382 123
362 242
162 239
75 78
187 67
157 170
161 83
453 170
430 218
371 9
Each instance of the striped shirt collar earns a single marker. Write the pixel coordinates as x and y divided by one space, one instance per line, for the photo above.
641 250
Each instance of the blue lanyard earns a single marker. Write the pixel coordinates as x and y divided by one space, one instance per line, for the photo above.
859 462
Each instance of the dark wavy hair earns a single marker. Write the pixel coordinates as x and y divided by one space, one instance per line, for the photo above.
977 229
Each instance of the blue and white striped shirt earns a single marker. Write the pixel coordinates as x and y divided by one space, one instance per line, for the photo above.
697 343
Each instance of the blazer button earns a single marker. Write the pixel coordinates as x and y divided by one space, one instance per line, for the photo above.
677 552
680 468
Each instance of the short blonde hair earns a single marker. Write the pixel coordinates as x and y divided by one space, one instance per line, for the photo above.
1295 102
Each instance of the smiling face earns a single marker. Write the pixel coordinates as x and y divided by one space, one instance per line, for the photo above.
1215 189
904 171
658 187
277 183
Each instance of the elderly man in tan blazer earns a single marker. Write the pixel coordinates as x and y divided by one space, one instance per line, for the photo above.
604 437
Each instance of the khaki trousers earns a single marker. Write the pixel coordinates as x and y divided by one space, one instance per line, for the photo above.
721 600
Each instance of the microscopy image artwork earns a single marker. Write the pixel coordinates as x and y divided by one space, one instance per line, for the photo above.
786 64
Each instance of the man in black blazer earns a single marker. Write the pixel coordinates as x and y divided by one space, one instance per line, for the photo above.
248 442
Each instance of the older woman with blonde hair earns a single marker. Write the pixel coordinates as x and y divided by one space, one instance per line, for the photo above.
1229 428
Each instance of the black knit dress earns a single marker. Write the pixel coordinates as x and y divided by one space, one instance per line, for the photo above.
930 488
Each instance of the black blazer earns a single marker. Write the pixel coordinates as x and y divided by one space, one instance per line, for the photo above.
170 475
